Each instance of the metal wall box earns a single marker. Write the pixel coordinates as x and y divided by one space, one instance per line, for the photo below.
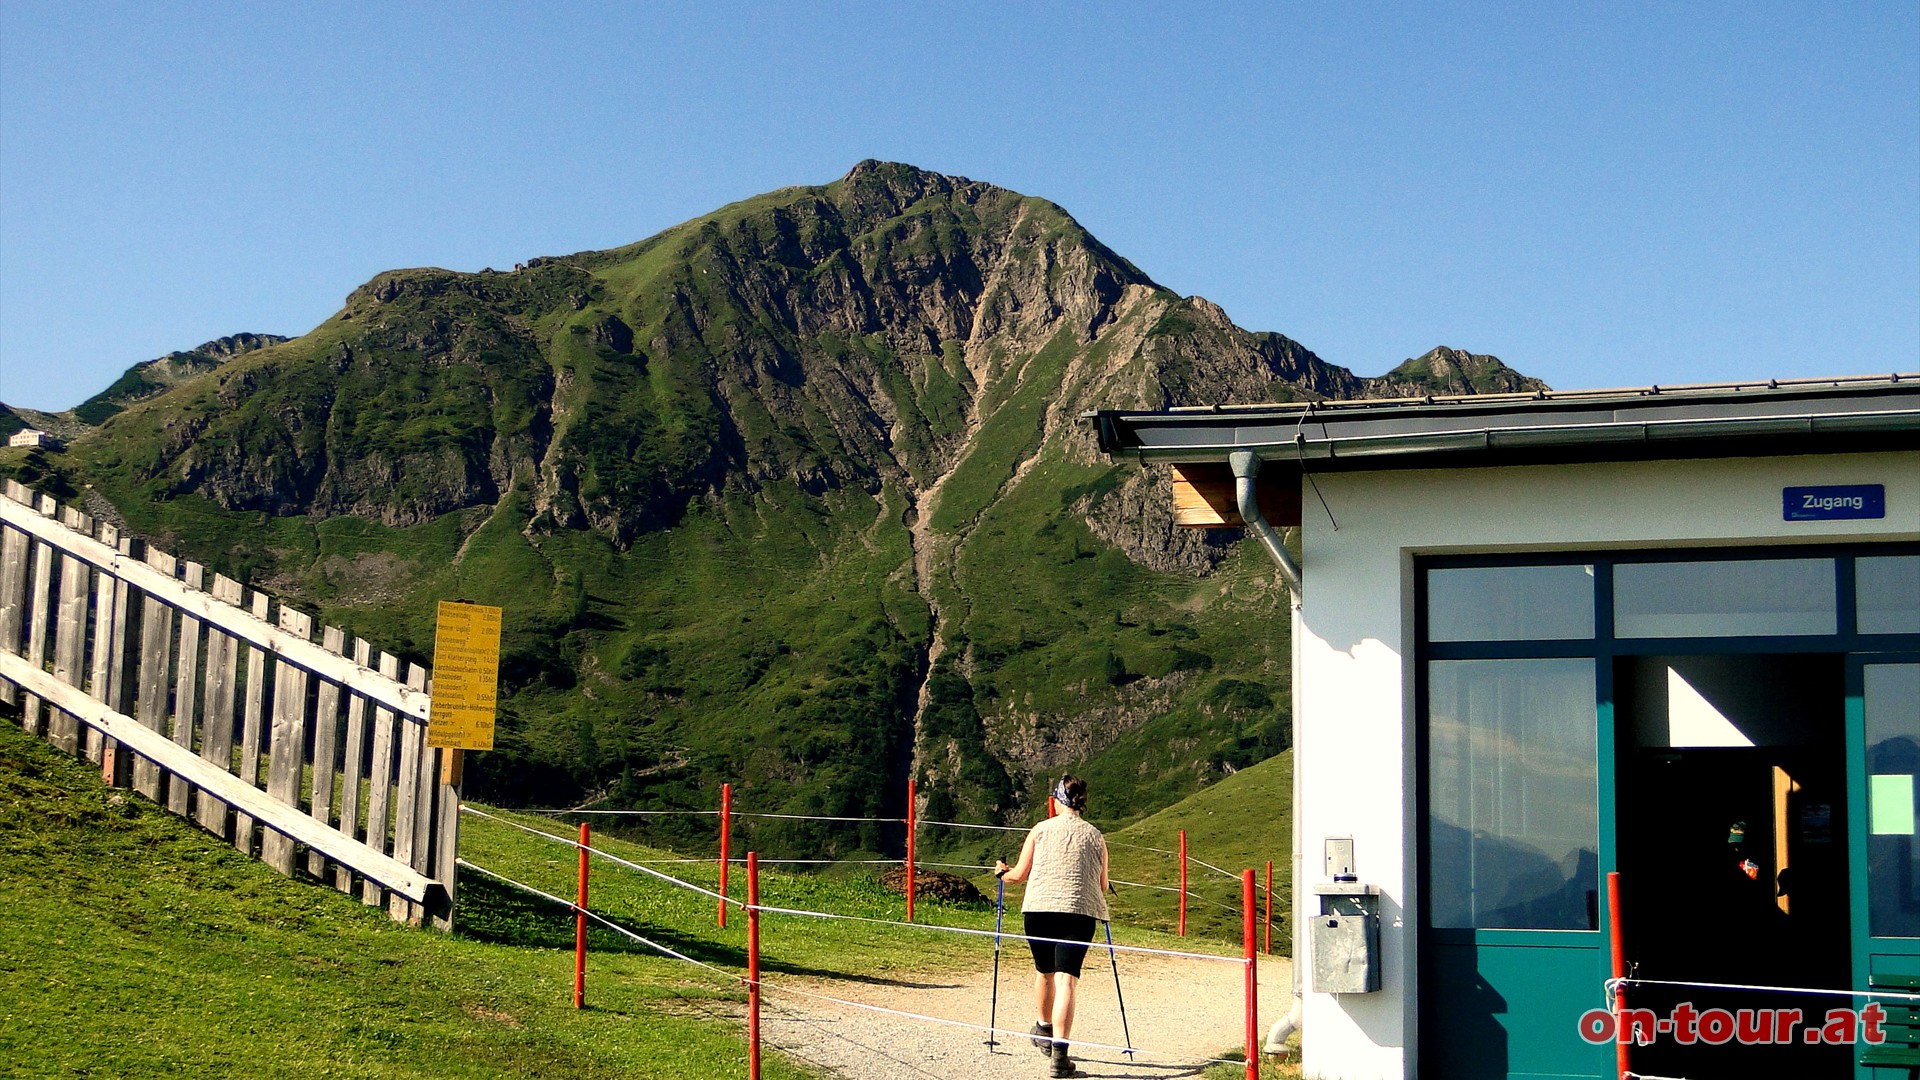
1346 950
1346 939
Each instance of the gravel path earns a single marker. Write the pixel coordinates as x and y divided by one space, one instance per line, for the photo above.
1184 1011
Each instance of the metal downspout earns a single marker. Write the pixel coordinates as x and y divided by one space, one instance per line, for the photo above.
1246 469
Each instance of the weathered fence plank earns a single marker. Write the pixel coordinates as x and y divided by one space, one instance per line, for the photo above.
156 657
70 634
250 724
326 746
185 689
100 672
356 751
222 687
381 776
31 715
408 811
13 586
286 744
117 768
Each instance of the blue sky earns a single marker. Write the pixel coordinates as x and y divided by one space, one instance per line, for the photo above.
1599 194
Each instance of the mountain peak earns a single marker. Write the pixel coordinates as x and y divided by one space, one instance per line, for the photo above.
1443 369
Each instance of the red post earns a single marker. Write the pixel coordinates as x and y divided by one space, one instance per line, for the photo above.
753 965
1051 808
726 836
911 822
1183 883
1253 976
1269 907
1621 1041
580 924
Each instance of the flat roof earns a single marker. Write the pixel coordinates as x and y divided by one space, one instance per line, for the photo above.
1770 418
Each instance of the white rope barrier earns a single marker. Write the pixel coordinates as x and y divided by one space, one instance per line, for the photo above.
603 920
609 856
627 813
820 817
1615 984
969 825
1006 934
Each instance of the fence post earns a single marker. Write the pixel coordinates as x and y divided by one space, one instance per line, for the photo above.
580 923
726 836
13 586
1183 883
1052 809
42 601
911 822
1253 975
1618 957
1269 949
753 965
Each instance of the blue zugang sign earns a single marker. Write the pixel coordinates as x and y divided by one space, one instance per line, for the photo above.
1835 503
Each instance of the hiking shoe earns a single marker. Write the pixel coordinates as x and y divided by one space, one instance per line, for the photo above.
1062 1064
1043 1036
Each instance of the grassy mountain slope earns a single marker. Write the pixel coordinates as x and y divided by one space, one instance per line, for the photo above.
792 495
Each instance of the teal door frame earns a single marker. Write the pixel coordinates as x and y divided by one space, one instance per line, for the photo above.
1886 955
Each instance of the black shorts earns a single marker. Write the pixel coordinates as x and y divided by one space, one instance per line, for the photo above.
1049 957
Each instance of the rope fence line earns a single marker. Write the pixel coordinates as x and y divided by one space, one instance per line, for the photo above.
601 919
1613 985
970 825
609 856
1006 935
626 813
761 985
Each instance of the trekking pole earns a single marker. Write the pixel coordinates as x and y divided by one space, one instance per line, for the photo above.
1116 990
993 1008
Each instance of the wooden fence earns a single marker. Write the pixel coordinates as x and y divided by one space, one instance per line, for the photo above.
217 703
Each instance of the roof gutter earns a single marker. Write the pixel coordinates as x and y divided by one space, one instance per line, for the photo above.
1331 451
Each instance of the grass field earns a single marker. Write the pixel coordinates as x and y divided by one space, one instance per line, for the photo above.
133 944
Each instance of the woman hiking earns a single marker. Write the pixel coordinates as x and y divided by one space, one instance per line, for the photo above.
1064 863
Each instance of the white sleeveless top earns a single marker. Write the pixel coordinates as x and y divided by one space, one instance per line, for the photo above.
1067 856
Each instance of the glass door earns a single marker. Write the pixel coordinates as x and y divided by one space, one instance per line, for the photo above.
1883 734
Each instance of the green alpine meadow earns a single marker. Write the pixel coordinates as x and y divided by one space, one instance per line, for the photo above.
794 496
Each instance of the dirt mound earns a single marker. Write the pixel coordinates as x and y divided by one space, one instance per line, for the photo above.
933 884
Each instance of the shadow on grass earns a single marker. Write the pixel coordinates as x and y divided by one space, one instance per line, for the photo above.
499 914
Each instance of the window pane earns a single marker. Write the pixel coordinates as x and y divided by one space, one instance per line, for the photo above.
1510 603
1893 763
1512 771
1724 599
1888 592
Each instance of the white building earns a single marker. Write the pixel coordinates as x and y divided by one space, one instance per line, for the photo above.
31 437
1669 633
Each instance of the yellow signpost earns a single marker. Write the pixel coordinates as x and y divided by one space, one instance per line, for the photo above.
466 680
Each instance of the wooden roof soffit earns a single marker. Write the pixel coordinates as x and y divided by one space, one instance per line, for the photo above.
1203 497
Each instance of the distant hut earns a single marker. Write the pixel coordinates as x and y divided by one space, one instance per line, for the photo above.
33 437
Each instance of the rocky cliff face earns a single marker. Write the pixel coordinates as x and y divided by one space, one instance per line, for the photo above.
809 467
